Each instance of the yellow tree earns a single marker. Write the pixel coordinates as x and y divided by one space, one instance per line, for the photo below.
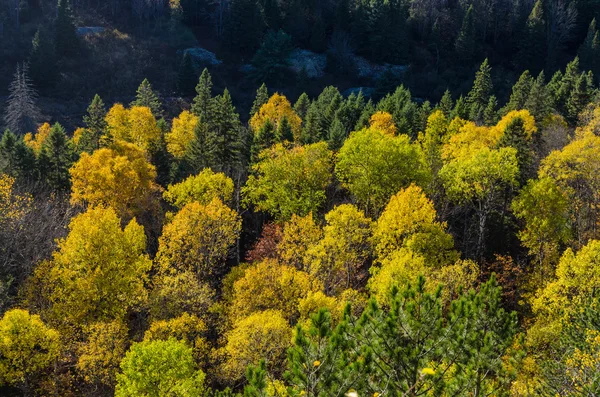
544 208
287 181
576 171
275 110
136 125
339 258
174 295
270 285
103 349
383 122
299 235
198 239
577 280
13 206
477 179
262 335
181 134
202 188
119 177
374 165
27 348
98 271
410 221
37 142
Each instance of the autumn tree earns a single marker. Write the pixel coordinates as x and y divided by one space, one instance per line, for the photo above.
410 221
27 347
98 271
181 134
143 371
262 335
289 180
299 235
276 109
198 239
270 285
119 176
136 125
202 188
374 165
338 260
477 179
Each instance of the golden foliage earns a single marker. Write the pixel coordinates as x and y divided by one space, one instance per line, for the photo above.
262 335
198 239
275 110
119 177
202 188
181 134
38 141
384 122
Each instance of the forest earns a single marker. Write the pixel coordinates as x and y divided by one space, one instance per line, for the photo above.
432 229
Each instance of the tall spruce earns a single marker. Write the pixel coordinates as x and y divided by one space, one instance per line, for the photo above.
446 104
301 105
186 76
465 42
202 151
95 122
479 96
22 113
539 101
532 47
262 97
60 158
42 60
589 51
65 38
201 106
145 96
226 126
520 93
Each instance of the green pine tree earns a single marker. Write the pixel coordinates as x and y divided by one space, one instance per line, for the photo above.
589 51
461 109
516 137
539 101
43 68
60 158
284 131
465 42
301 105
145 96
262 97
225 124
520 93
579 97
246 26
446 103
16 158
202 152
96 126
201 106
263 139
65 39
271 60
186 76
532 47
337 135
562 85
479 96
